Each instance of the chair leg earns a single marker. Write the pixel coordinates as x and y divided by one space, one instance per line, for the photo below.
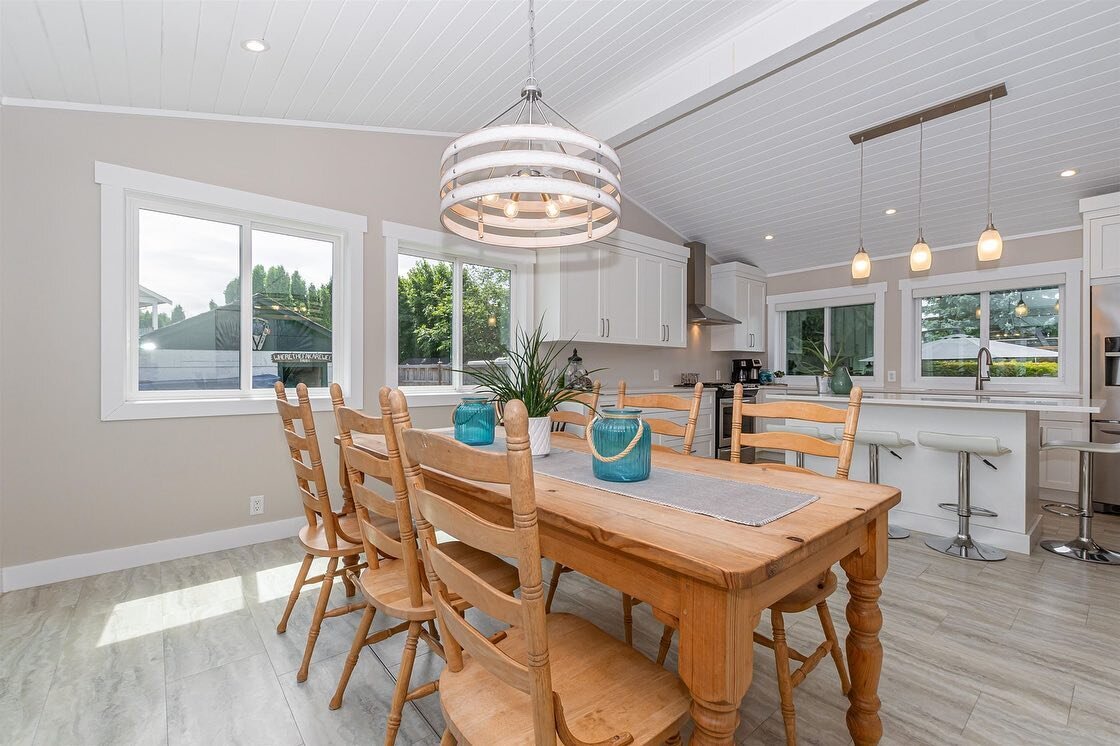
673 740
666 641
447 739
352 659
628 619
317 619
282 627
347 563
557 571
785 678
837 654
400 694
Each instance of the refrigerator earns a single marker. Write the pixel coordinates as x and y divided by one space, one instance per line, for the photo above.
1104 384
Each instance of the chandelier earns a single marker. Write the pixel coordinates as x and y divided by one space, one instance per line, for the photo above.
525 181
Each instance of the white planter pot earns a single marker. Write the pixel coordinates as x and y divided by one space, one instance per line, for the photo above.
824 385
540 436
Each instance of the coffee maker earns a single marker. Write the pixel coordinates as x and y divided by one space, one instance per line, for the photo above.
746 371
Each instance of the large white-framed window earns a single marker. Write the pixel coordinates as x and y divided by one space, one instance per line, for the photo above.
182 260
848 321
450 305
1023 315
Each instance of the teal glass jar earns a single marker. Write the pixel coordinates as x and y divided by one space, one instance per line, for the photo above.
474 421
620 446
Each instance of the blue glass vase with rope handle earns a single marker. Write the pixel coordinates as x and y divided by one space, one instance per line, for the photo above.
620 445
474 421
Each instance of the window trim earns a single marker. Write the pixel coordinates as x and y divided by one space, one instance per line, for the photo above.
1066 273
123 188
442 246
777 305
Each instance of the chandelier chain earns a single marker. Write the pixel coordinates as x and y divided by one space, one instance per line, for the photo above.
532 43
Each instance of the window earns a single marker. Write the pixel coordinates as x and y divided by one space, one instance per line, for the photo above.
1023 315
844 321
456 306
181 269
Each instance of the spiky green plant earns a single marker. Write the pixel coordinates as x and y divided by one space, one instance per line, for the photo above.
529 373
830 362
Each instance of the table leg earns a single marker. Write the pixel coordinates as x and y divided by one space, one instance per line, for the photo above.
866 569
344 480
716 655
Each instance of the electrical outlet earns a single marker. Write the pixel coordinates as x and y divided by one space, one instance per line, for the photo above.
719 374
256 505
892 376
656 375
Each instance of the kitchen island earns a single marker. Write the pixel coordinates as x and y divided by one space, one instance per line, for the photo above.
928 477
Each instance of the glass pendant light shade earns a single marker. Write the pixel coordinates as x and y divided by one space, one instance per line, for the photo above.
861 265
990 246
921 258
1021 308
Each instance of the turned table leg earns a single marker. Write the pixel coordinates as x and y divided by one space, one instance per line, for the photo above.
865 569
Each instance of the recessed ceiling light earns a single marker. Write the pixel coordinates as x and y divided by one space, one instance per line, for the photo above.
768 237
1068 172
890 211
255 45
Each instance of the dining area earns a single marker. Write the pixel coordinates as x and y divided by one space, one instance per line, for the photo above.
450 544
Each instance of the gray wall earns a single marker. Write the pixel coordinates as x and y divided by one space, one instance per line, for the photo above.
74 484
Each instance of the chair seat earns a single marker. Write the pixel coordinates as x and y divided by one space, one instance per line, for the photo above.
606 688
807 596
981 445
885 438
314 540
1082 445
386 586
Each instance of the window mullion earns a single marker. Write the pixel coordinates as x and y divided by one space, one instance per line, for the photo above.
246 316
457 324
985 318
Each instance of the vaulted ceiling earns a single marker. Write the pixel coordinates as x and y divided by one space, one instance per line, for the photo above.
731 116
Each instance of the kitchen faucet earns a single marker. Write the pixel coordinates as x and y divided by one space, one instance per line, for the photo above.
980 378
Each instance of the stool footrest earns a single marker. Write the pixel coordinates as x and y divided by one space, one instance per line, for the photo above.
1066 510
981 512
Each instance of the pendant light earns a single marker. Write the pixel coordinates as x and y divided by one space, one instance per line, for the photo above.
1021 308
921 258
861 262
525 181
990 246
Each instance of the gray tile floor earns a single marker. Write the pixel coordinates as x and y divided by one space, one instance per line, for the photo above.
185 652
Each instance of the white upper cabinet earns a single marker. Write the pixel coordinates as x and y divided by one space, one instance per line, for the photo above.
624 289
739 290
1102 234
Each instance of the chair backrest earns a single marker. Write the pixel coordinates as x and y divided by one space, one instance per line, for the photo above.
307 460
518 538
667 401
589 399
798 442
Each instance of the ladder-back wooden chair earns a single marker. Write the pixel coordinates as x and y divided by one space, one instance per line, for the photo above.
552 678
561 418
327 534
397 587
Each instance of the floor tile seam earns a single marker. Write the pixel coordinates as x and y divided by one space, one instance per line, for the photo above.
54 671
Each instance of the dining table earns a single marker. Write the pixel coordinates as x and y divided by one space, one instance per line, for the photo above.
713 575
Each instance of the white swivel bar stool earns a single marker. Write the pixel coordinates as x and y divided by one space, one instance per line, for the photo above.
874 440
965 446
810 430
1083 547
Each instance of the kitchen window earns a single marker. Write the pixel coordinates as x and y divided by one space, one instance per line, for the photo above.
846 321
210 296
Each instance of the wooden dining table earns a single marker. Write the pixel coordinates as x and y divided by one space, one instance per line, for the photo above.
715 576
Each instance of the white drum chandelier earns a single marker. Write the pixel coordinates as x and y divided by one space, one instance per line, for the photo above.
527 182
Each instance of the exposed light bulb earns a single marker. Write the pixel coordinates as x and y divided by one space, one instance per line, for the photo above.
551 208
921 258
1021 309
490 199
990 246
511 209
861 265
566 199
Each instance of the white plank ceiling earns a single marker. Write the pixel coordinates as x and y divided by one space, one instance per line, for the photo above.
771 158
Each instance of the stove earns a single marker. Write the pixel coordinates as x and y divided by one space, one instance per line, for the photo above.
724 401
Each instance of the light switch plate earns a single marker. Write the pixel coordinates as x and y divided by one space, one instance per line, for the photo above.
892 376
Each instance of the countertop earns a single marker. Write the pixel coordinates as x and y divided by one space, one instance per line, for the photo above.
962 400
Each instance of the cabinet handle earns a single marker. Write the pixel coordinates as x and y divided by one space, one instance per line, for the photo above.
601 327
666 338
608 327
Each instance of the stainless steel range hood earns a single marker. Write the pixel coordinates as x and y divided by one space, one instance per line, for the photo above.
698 311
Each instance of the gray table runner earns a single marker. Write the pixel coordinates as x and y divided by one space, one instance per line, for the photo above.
727 499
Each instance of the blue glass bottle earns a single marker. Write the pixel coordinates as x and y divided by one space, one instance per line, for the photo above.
474 421
611 433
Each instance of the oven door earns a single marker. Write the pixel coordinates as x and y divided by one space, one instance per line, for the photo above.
723 430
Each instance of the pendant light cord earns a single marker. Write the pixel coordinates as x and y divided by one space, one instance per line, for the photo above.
532 43
921 146
861 194
989 159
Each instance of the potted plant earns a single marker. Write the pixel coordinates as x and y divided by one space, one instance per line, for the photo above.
527 371
830 364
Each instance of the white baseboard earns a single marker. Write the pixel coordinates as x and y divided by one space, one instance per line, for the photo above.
122 558
937 526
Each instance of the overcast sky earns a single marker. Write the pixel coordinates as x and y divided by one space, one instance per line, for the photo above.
190 261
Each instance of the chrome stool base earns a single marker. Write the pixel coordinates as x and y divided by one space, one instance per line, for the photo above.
897 532
1085 550
965 548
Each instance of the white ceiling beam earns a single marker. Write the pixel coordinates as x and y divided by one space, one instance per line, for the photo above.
763 45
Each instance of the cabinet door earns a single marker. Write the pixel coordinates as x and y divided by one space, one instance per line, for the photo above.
580 315
1104 246
1060 469
651 329
756 316
672 303
618 296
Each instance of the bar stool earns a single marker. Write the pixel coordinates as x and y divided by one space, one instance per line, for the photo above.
965 446
874 440
1083 547
810 430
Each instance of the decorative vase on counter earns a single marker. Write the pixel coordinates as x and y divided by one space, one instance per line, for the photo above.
540 436
620 445
474 421
824 385
842 381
